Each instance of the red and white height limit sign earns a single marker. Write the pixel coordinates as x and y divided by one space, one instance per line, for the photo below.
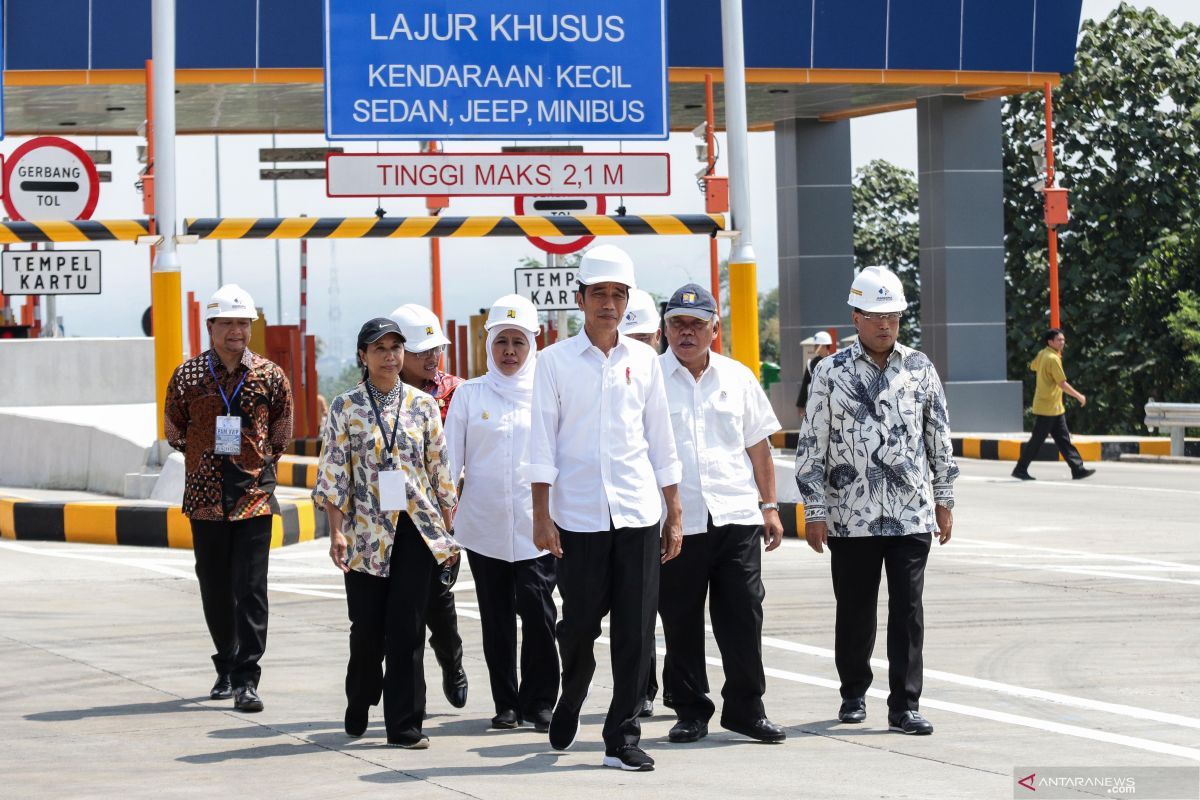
50 178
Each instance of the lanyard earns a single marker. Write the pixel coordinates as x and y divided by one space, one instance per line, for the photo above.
221 389
383 427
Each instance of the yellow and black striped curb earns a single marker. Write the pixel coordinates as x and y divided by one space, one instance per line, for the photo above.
305 447
792 517
86 230
1009 448
297 471
452 227
137 524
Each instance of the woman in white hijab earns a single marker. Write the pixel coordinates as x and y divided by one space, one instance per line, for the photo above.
487 430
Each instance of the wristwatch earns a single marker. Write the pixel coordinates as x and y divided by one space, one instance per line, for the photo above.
949 504
768 506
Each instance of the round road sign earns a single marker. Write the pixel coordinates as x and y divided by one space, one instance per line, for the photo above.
50 178
560 207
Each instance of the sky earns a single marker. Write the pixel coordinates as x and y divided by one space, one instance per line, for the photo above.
372 278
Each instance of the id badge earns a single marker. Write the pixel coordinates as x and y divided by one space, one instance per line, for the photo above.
393 493
229 436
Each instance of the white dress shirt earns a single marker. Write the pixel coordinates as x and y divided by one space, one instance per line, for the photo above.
602 434
488 436
715 420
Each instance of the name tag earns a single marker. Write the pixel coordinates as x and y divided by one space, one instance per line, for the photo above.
393 491
229 436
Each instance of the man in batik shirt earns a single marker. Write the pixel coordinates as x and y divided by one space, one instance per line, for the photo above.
875 468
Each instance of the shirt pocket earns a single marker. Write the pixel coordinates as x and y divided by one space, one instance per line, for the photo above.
726 418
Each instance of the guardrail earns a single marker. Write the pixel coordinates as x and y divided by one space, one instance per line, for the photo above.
1175 416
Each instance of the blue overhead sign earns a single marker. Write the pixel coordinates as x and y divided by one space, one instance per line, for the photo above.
501 69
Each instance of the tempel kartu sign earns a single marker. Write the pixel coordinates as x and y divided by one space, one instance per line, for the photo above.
508 69
550 289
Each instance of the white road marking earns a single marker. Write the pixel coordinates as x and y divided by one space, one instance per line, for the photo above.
1061 485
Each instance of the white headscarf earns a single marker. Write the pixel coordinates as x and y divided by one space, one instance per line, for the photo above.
518 387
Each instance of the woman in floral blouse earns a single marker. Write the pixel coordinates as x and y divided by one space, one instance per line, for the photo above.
384 481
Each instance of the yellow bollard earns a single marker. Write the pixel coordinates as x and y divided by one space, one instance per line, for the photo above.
743 314
165 294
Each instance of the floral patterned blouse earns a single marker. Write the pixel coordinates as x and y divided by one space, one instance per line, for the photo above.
874 452
348 474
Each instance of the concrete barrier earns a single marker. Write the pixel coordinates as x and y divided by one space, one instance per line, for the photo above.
67 372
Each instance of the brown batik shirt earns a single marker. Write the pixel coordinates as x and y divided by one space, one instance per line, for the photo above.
229 487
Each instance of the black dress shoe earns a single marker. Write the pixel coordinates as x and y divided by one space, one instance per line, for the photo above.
541 720
687 730
409 740
248 700
761 729
355 721
222 689
1083 473
910 722
647 709
506 720
454 686
1023 475
853 710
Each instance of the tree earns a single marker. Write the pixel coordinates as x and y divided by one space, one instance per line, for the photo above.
887 232
332 385
1126 125
1161 303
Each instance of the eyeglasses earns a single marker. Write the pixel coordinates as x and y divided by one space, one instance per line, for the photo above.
431 352
873 317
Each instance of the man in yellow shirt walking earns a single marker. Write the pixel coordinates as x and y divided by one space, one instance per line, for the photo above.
1049 414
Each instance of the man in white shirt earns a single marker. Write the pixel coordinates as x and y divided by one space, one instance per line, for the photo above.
600 450
722 421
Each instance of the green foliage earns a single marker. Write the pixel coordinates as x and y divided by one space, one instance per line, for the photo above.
887 232
330 386
1184 325
1126 125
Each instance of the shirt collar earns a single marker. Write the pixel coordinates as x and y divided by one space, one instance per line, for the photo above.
671 364
583 343
898 351
247 359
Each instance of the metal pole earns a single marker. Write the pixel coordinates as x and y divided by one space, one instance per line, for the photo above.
278 272
220 245
165 283
710 141
50 328
743 285
560 320
309 412
1053 233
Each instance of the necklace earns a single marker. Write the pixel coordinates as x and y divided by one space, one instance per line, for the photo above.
381 398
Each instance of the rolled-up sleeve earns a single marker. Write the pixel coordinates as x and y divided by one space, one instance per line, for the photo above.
758 420
437 459
543 435
660 438
812 446
335 472
938 446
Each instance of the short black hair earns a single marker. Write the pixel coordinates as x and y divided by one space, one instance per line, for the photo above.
1051 334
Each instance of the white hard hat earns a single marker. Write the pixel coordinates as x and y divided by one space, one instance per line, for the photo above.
819 338
641 315
604 264
877 289
513 311
231 302
422 329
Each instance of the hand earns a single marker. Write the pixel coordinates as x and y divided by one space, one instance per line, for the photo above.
816 533
945 521
451 561
1082 400
672 539
772 528
337 550
545 537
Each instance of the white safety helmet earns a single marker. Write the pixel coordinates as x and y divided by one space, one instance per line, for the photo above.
422 329
231 302
641 315
604 264
513 311
877 289
817 339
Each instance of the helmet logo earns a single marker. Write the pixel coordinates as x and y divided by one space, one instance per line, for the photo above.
856 292
512 313
429 330
689 298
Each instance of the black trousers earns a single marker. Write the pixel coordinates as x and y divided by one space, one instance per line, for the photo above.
442 621
231 565
507 590
856 563
387 625
726 560
1056 427
612 572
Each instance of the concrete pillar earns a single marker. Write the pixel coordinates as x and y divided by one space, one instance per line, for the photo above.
960 165
816 243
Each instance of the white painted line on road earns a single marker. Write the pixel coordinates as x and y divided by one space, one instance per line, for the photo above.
988 543
1061 485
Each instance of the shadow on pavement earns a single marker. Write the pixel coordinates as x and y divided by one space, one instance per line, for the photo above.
124 710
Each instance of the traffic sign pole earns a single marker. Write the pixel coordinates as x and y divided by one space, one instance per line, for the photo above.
165 279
